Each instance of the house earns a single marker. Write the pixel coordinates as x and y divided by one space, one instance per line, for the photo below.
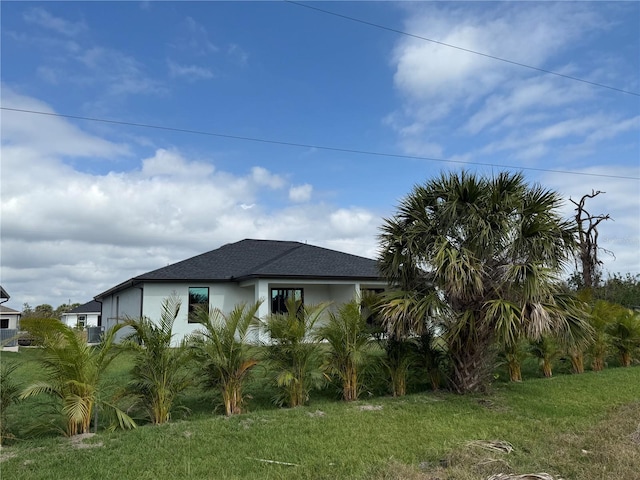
245 271
9 318
87 315
9 322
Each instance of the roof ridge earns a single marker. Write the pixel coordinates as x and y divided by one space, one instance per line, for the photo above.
273 259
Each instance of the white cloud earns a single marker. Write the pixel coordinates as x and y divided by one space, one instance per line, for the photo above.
40 16
68 234
192 72
300 193
263 177
621 235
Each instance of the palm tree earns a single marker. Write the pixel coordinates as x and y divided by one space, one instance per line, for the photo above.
9 394
482 256
545 349
601 344
349 347
159 372
223 352
293 353
624 331
74 370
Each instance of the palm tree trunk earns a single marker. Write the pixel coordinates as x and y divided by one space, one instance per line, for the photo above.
597 365
577 362
625 358
546 368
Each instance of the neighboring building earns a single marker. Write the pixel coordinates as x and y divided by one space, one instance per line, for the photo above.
9 323
9 318
87 315
245 271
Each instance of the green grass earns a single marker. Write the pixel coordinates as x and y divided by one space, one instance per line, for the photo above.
578 427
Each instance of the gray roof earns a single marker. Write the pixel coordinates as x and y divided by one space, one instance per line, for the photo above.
4 309
3 293
249 259
90 307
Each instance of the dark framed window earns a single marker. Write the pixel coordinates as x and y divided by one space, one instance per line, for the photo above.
82 321
198 298
4 323
279 297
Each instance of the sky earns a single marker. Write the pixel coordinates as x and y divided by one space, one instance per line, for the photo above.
274 120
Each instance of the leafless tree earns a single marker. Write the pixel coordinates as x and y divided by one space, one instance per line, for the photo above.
588 240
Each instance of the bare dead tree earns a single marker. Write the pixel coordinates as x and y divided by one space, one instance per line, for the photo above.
588 240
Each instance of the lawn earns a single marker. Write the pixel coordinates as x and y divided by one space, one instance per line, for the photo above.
578 427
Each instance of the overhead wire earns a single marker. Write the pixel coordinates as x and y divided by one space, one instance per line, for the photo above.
310 145
468 50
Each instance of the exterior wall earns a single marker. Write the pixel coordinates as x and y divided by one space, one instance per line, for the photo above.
14 319
71 319
147 301
121 305
224 296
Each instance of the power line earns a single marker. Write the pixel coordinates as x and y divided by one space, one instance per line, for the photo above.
309 145
493 57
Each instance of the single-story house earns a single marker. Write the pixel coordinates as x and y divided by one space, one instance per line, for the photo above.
245 271
9 323
9 318
87 315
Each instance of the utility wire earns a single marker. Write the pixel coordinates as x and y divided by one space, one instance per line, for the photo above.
309 145
412 35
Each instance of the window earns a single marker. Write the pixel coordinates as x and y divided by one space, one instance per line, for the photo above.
4 323
82 321
198 298
279 297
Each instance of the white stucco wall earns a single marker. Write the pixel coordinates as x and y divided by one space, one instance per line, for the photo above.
224 296
71 319
13 319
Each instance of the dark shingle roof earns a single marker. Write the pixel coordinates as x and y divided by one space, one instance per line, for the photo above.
89 307
3 293
263 258
266 258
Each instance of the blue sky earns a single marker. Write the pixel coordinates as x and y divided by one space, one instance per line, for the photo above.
86 205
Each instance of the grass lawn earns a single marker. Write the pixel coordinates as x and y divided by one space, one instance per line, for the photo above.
578 427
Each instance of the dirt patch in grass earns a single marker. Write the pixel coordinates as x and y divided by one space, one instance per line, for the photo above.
77 441
4 455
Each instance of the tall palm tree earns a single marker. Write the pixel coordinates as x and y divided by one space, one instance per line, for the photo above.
159 372
349 347
293 353
483 256
74 371
223 352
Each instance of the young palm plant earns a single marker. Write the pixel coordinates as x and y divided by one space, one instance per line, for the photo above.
624 331
545 350
349 347
9 394
601 343
293 354
222 351
159 373
74 370
397 362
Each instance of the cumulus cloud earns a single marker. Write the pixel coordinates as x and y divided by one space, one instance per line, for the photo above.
263 177
300 193
69 234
